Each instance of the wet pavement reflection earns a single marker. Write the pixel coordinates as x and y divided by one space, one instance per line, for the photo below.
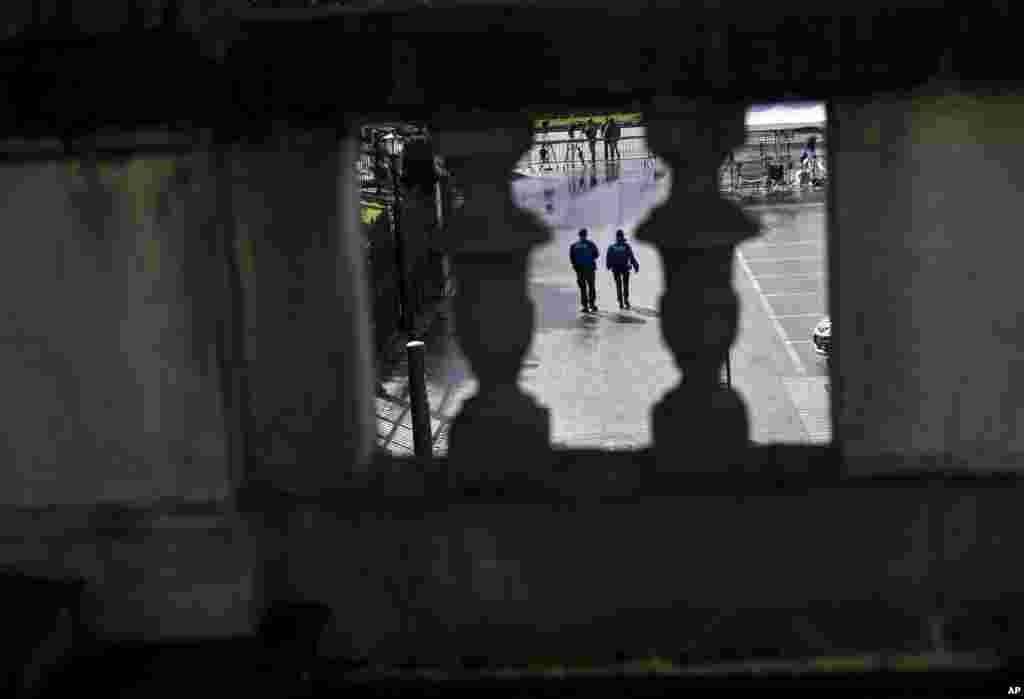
600 373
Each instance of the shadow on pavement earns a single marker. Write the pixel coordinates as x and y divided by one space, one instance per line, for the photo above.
649 312
623 318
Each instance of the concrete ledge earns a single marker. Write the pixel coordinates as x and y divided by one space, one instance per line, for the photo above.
415 562
634 475
511 580
148 573
177 577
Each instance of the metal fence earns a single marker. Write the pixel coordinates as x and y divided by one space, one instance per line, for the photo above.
380 147
563 153
374 166
754 176
373 169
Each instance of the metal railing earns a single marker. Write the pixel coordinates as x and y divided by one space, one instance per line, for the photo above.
755 178
373 170
562 153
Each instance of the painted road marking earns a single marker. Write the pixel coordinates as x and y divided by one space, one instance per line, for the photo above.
787 205
810 398
790 276
780 331
793 286
809 241
785 259
784 267
799 315
794 293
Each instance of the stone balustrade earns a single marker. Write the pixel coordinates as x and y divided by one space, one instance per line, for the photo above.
507 549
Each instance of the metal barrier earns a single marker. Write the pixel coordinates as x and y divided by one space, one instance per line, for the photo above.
563 153
560 151
373 164
365 170
759 182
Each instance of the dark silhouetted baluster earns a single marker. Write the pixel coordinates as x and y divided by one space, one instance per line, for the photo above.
700 424
490 240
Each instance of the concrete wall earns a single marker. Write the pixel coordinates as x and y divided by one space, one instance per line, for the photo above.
308 340
117 301
114 293
111 296
517 582
925 263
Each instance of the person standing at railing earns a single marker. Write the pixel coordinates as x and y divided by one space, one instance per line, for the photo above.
573 147
591 133
578 144
543 137
612 133
809 156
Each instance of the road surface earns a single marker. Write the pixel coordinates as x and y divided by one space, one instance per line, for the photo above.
599 375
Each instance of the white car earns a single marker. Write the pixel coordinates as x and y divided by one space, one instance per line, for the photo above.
822 337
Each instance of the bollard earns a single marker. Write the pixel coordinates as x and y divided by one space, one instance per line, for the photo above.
418 399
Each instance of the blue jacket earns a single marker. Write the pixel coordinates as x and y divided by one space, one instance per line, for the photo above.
583 254
620 257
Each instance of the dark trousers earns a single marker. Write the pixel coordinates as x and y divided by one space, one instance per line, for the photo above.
615 149
622 284
593 151
585 280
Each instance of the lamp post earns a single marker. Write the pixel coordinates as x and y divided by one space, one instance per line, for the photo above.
414 348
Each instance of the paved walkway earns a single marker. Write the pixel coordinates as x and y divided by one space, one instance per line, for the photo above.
449 382
599 374
783 275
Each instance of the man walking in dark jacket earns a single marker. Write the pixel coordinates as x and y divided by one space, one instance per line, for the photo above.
583 255
619 259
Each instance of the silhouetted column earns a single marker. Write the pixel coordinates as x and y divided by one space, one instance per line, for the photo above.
490 240
296 205
700 424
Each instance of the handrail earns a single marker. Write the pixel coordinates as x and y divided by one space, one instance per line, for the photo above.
578 474
559 148
567 151
561 154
